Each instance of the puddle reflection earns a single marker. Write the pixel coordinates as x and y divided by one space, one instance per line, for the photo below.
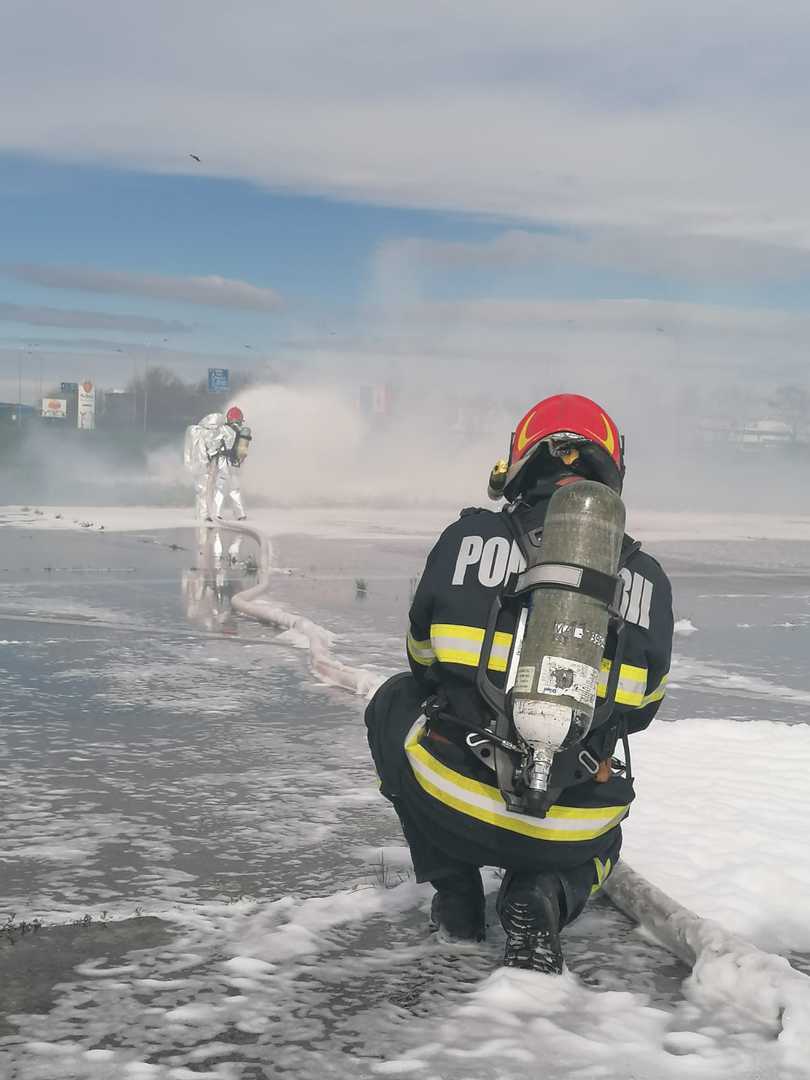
221 572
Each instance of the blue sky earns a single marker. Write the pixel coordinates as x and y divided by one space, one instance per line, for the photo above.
421 190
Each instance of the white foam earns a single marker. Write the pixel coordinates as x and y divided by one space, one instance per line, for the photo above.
720 825
373 522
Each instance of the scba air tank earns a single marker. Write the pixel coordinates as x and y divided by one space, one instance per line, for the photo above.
570 588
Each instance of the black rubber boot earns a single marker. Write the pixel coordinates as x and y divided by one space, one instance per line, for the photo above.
529 909
457 909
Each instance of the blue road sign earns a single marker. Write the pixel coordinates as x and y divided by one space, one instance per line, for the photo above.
218 379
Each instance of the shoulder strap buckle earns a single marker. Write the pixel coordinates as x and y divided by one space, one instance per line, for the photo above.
588 761
474 740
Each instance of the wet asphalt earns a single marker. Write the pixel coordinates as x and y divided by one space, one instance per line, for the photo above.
160 751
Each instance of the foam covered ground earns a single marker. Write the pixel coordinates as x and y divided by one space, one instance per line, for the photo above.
324 967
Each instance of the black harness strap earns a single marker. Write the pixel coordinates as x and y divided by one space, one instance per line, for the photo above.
602 587
605 588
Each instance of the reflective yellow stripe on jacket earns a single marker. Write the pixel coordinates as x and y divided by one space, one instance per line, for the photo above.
485 803
420 651
456 644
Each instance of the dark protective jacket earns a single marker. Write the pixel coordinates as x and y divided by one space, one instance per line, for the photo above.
478 555
475 557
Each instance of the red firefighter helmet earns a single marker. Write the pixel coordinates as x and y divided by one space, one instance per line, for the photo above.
574 429
234 415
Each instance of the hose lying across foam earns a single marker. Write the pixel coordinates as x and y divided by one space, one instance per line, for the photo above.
253 603
724 967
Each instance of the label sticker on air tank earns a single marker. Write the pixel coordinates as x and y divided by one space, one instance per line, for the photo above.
564 631
524 680
560 677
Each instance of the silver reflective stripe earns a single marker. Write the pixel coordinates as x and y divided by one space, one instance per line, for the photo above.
499 652
486 803
447 648
520 630
421 650
632 686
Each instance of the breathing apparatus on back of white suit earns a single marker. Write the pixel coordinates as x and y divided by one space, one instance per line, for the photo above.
241 446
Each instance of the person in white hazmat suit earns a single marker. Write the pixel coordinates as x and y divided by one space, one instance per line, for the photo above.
213 453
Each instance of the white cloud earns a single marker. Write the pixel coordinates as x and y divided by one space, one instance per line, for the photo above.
696 259
37 315
662 116
210 291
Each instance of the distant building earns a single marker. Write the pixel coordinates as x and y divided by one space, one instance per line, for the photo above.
762 433
766 432
13 413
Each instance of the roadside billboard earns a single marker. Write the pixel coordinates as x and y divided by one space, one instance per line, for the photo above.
218 380
380 400
54 408
86 412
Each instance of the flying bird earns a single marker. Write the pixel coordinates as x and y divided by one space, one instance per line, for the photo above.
195 158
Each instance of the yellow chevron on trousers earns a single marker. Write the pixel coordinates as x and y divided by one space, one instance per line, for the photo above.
485 803
602 874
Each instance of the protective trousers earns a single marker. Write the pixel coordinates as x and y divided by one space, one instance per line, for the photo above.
214 487
201 486
445 843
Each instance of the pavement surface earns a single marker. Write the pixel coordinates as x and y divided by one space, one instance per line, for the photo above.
172 772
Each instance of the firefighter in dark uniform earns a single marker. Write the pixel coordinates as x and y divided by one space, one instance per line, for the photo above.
424 727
